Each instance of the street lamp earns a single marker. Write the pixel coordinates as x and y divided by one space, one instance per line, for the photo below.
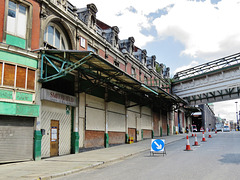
237 116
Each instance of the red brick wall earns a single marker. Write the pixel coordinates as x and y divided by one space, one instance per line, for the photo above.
35 25
110 59
116 137
2 10
94 139
137 73
147 133
142 77
132 133
129 66
101 53
122 66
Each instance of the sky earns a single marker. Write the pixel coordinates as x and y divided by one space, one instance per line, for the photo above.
180 33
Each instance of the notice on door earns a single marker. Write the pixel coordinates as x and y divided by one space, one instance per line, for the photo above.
54 134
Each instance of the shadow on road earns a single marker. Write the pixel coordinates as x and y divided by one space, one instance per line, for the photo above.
230 159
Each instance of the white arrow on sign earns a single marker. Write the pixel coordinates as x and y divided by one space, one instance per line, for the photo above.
158 146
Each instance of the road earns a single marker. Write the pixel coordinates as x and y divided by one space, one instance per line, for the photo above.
218 158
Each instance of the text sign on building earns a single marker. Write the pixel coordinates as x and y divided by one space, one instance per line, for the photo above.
58 97
157 145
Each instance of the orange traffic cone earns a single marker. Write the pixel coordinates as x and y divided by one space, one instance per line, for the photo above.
215 131
209 136
203 137
196 142
192 135
188 147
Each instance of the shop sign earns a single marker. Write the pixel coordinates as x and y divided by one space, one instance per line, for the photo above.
58 97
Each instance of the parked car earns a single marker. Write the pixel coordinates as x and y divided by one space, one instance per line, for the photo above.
194 128
202 129
219 127
226 129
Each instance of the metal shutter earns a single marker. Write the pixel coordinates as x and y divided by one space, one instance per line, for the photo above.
16 138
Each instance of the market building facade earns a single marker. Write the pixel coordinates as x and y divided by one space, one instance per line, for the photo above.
81 86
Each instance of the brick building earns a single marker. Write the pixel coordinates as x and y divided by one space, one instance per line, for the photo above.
75 84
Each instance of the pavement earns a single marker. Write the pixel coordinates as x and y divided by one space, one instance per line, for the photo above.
63 165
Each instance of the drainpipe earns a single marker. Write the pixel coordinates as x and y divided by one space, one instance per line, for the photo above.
106 136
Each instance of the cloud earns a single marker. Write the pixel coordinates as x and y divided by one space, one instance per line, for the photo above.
206 29
130 16
226 109
202 27
192 64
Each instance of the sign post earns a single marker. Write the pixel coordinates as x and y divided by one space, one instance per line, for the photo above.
158 147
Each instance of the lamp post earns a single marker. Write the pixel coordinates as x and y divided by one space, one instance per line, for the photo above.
237 116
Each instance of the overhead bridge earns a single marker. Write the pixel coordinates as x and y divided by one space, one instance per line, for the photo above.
215 81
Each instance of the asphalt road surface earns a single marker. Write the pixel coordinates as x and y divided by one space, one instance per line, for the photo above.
218 158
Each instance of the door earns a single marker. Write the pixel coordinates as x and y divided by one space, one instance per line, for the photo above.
54 138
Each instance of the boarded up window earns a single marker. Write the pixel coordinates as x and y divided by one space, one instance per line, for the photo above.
9 75
21 77
31 79
0 73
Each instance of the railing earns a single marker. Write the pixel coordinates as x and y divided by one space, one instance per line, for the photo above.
208 67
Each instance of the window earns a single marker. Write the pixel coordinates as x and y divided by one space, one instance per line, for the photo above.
17 76
55 38
145 80
17 19
9 75
82 41
133 72
21 80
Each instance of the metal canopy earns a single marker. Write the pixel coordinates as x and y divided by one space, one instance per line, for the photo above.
97 70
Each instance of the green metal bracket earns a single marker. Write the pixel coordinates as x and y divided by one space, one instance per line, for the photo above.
65 67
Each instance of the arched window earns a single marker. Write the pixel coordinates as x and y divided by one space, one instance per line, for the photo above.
55 38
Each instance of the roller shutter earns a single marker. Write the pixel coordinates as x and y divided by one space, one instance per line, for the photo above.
16 138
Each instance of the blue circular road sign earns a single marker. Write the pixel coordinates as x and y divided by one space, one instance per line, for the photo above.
157 145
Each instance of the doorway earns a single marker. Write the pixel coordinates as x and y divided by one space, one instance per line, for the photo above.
54 138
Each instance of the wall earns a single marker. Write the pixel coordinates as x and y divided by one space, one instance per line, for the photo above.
2 10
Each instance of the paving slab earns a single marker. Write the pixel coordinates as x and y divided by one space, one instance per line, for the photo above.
67 164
